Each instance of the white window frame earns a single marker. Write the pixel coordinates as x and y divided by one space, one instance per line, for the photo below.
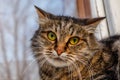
110 9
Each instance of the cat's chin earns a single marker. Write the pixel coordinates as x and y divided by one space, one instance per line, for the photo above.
57 62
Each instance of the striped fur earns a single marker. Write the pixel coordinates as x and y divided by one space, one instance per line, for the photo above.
89 59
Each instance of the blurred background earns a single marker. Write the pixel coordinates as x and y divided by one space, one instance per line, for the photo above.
18 22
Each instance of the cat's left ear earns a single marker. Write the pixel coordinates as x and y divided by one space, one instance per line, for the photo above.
92 23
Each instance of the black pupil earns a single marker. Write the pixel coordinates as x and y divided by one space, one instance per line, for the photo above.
74 40
52 35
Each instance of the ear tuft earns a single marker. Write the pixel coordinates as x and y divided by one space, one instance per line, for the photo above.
94 21
43 16
91 24
41 13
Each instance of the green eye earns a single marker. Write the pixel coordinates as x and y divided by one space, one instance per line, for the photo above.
74 40
51 36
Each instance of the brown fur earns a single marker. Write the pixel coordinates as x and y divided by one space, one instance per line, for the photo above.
89 59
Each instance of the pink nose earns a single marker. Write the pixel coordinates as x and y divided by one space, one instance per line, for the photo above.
59 51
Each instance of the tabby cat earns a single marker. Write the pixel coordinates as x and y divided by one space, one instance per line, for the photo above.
66 49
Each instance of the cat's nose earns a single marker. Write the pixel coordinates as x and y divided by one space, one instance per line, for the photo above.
59 50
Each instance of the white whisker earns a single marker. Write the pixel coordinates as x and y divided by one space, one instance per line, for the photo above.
25 70
76 67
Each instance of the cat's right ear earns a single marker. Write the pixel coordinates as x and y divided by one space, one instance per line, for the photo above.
41 13
43 16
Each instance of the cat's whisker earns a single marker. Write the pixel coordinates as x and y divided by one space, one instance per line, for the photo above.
25 70
76 67
69 70
70 58
37 52
89 69
42 62
81 61
47 53
85 58
40 58
36 48
71 67
79 71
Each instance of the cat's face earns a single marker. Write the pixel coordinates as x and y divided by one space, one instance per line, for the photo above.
62 41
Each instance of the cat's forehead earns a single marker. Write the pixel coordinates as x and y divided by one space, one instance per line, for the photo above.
68 19
61 24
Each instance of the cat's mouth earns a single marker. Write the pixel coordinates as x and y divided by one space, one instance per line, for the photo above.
58 59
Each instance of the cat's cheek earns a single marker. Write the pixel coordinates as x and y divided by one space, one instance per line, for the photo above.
48 44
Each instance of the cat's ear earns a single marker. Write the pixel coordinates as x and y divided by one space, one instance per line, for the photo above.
41 13
43 16
91 23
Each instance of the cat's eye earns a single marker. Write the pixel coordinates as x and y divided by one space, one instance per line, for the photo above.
74 40
51 36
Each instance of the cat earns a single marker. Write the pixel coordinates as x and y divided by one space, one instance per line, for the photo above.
66 49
